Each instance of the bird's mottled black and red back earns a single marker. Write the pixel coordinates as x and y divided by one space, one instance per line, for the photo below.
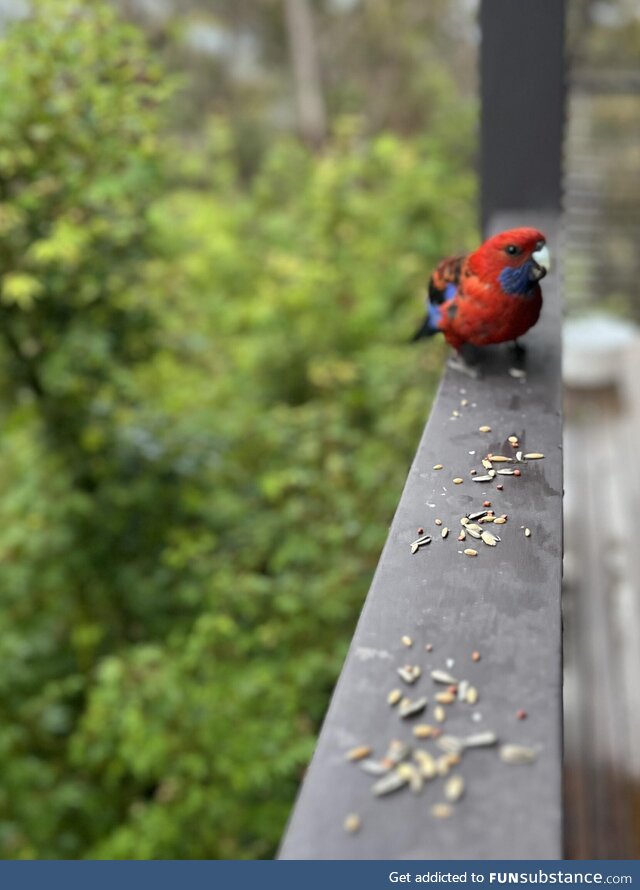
490 296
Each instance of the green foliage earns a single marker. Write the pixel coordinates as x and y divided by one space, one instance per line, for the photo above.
209 409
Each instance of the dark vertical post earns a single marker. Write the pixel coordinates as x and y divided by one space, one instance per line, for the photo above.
522 75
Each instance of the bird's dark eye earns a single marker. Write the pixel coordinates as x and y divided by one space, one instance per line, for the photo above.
540 245
512 249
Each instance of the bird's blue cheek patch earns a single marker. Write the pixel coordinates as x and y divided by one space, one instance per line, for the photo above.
516 280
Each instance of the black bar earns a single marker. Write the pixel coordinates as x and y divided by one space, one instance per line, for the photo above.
523 97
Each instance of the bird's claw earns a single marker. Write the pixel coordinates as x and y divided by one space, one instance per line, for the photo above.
457 363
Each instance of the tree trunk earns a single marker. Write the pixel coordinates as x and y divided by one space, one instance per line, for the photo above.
310 104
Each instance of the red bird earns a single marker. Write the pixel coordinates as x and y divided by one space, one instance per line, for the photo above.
491 295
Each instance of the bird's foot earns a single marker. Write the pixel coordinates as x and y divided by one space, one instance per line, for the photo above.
519 350
457 363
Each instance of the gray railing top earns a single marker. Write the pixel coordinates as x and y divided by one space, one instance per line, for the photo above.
503 604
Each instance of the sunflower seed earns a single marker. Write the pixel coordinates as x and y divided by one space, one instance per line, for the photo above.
441 810
484 429
445 698
409 673
392 782
437 467
486 478
527 532
517 754
472 695
426 763
451 744
358 753
439 676
394 697
439 713
470 552
423 731
454 789
458 480
474 530
407 641
477 515
489 539
533 455
445 532
506 472
352 823
413 707
480 740
500 459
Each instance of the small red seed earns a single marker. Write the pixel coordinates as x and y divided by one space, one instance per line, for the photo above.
437 732
517 473
453 690
521 714
428 647
475 656
420 531
472 472
486 503
500 487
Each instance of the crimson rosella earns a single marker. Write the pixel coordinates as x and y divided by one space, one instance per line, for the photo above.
491 295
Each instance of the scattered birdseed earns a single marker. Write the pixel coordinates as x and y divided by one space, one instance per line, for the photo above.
486 463
454 789
464 403
438 521
489 539
470 552
474 530
486 503
391 782
443 765
500 459
409 673
462 690
464 520
486 478
518 373
475 656
420 531
451 744
413 707
527 532
517 473
415 547
521 714
394 697
439 676
441 810
374 767
533 455
407 641
352 823
500 520
439 713
484 429
358 753
458 481
438 467
500 487
507 471
429 647
450 663
481 740
518 455
515 755
426 763
462 536
472 695
476 716
445 532
445 698
477 515
492 474
455 413
423 731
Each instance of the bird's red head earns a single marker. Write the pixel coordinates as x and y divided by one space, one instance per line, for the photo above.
516 260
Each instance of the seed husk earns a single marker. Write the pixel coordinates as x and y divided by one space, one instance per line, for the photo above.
423 731
437 466
396 752
464 520
445 698
489 539
517 754
533 455
438 521
492 474
393 781
441 810
407 641
506 472
484 429
518 456
472 695
454 789
481 740
472 517
439 713
426 763
358 753
394 697
415 547
462 690
527 532
474 530
443 677
445 532
458 480
374 767
409 673
352 823
486 463
470 552
486 478
451 744
413 707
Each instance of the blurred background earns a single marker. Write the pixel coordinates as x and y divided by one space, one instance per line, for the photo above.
216 221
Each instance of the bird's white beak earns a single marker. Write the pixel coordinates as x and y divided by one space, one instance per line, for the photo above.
542 257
